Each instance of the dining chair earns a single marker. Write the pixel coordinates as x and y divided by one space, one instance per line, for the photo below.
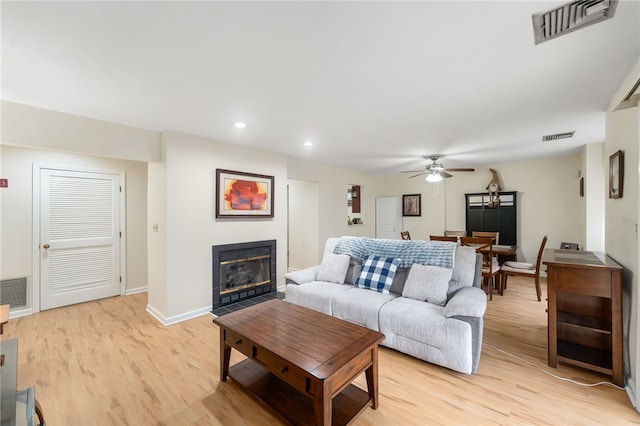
443 238
495 236
490 266
455 233
524 269
4 316
405 235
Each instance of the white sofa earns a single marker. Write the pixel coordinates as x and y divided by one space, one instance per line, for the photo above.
448 334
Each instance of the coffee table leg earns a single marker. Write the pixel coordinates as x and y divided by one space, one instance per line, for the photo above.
372 378
322 406
225 356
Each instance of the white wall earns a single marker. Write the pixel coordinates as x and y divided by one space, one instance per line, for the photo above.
432 219
157 237
621 241
332 201
190 224
548 201
595 192
16 205
304 223
35 127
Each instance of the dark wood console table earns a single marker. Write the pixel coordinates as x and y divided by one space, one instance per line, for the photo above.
585 311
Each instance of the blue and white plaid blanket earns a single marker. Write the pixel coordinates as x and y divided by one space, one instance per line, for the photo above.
435 253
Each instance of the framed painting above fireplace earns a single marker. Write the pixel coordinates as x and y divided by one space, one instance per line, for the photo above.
241 194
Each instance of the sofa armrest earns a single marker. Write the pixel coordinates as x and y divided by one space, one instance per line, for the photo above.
467 302
302 276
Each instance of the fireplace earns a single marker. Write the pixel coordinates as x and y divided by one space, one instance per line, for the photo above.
243 274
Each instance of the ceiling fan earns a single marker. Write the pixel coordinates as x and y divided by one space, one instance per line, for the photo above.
436 172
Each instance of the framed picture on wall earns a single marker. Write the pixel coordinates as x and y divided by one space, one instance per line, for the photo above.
616 174
412 205
246 195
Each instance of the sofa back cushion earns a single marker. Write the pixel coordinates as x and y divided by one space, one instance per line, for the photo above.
465 269
463 272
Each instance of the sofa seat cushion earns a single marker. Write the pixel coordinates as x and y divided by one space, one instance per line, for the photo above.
316 295
360 306
420 329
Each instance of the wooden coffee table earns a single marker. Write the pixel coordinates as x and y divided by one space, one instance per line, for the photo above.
301 362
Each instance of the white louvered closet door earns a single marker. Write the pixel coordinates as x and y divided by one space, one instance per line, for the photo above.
79 237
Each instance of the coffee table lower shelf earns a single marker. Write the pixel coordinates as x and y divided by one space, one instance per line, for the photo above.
292 405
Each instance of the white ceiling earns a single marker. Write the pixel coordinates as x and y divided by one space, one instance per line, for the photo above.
376 86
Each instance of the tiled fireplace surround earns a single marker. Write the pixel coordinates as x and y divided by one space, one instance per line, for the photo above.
243 274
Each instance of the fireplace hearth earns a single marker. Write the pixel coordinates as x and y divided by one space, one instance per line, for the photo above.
243 274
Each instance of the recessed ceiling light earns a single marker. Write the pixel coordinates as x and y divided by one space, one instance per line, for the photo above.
308 144
240 125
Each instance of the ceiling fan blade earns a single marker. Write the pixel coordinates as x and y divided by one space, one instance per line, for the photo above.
461 170
412 171
419 174
445 174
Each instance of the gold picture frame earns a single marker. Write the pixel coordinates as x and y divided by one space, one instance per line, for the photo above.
616 174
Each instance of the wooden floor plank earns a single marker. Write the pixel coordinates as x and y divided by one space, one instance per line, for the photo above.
110 363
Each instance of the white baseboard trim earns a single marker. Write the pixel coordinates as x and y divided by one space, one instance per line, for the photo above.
20 313
631 390
166 321
136 290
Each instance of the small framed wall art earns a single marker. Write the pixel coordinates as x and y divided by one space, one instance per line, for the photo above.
240 194
616 174
412 205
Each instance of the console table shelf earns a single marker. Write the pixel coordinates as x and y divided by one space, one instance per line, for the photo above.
585 311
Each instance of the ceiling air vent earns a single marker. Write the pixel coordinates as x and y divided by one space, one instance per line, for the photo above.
557 136
570 17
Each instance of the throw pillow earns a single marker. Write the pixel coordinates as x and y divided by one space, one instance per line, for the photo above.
398 280
353 272
426 282
377 273
333 268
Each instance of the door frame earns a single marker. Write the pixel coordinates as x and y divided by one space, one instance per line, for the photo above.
35 227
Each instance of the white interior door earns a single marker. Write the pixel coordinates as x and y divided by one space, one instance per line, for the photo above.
79 237
388 218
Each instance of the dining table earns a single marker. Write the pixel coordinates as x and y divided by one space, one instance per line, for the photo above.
505 252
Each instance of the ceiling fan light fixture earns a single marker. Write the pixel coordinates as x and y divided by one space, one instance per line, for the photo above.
434 177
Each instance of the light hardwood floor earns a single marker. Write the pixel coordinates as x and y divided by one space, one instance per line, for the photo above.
110 363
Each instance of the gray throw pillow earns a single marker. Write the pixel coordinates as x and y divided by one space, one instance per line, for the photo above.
398 280
426 282
355 266
333 268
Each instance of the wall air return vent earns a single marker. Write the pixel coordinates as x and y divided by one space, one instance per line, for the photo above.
570 17
565 135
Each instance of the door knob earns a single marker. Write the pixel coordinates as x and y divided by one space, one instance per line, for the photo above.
46 246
